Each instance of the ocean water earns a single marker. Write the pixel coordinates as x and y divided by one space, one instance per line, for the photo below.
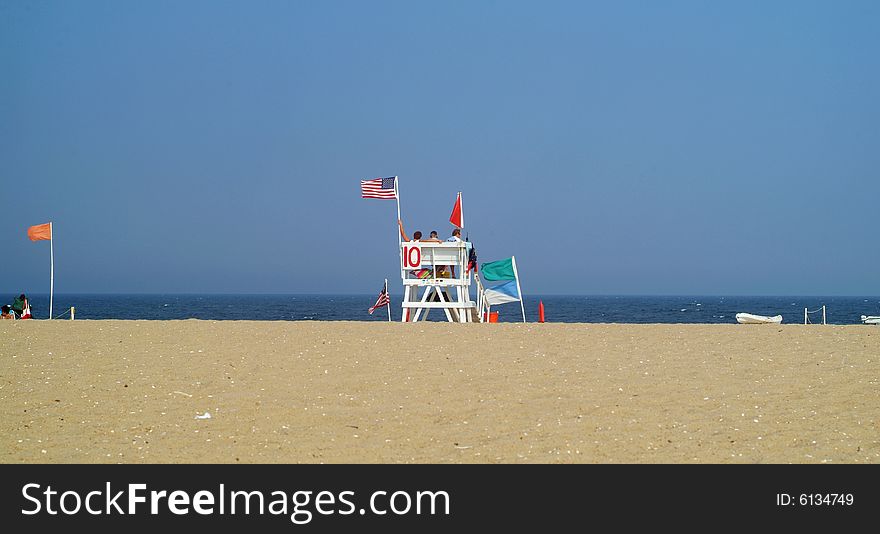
562 309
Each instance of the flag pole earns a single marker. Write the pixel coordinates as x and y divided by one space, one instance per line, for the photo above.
397 197
389 300
399 242
51 267
518 290
461 204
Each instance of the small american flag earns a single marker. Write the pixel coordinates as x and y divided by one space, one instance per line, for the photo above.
379 188
383 300
472 260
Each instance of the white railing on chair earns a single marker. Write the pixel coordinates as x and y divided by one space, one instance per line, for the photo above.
481 298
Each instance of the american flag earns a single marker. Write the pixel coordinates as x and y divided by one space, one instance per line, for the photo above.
472 260
379 188
383 300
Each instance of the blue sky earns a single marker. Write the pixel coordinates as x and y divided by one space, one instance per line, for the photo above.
613 147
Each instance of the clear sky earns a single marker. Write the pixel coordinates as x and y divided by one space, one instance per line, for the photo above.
676 147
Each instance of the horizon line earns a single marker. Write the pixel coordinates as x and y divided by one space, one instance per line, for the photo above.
290 293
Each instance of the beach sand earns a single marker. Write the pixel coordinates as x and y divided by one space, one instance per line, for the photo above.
359 392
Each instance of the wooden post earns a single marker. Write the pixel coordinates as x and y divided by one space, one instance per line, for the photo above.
72 312
823 314
805 316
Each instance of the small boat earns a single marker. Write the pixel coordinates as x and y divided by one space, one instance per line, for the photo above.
748 318
871 319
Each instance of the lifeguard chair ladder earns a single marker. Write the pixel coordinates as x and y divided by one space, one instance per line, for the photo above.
426 271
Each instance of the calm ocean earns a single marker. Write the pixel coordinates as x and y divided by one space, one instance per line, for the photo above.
562 309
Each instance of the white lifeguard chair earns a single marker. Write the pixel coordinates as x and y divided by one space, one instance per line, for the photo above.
426 271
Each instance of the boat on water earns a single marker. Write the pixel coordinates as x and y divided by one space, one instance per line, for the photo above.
749 318
871 319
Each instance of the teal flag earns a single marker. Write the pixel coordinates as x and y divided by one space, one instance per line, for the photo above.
498 270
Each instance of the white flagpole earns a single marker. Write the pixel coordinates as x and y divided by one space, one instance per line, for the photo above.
518 290
397 197
460 203
399 238
389 300
51 267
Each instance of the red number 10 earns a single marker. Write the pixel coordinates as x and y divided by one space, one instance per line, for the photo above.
412 257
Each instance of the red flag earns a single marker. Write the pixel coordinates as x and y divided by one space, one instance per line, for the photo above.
40 232
457 218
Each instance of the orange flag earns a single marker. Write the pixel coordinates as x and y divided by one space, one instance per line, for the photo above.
40 232
457 218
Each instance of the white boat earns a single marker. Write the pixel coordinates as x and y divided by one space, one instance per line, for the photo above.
871 319
748 318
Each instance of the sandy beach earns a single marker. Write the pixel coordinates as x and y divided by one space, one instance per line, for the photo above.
358 392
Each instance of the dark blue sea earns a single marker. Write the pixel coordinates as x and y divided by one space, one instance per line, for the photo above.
561 309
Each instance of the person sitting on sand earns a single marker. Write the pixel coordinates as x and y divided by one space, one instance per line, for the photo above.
19 304
7 312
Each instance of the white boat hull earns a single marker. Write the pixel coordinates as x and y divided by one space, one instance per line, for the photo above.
871 319
748 318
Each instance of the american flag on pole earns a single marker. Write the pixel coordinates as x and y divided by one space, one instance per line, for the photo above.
379 188
383 299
